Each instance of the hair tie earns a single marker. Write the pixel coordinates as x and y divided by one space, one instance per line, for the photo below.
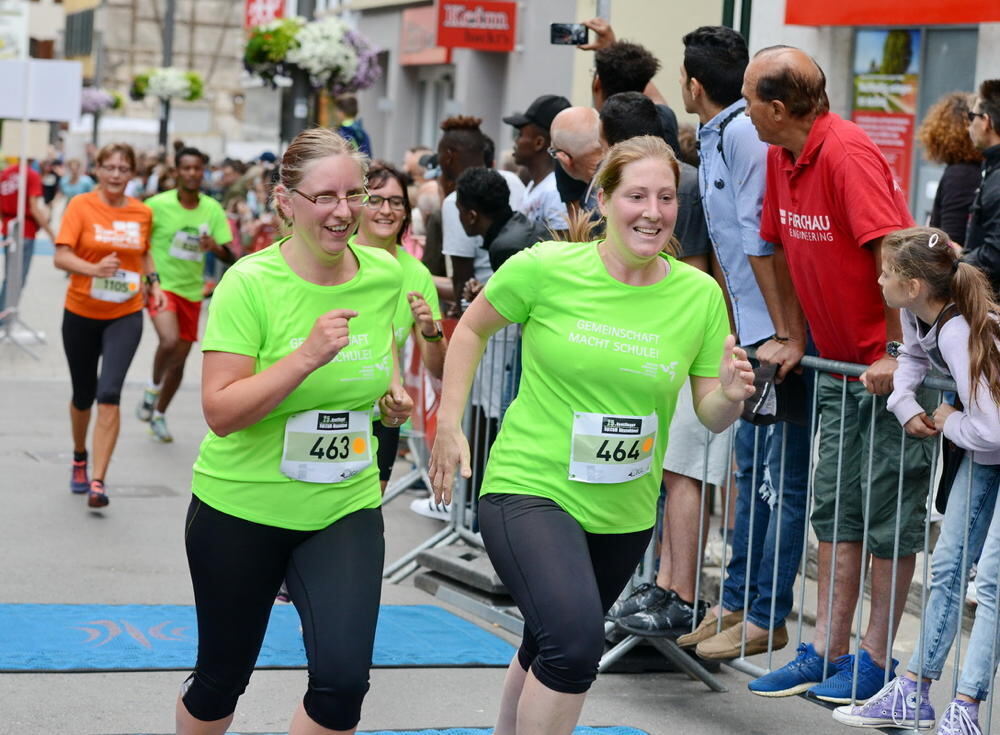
933 240
954 266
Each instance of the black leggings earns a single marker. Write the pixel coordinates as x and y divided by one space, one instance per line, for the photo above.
334 576
113 342
388 448
563 579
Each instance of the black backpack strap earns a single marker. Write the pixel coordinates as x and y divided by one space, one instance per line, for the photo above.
722 130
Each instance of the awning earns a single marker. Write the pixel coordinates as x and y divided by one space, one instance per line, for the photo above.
891 12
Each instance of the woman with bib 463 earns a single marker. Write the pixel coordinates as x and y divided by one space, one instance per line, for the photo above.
298 349
611 331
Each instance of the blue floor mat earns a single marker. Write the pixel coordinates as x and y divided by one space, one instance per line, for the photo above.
164 637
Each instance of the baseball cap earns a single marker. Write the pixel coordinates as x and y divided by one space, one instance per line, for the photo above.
773 402
540 112
267 157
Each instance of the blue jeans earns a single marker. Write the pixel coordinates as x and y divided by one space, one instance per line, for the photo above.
27 251
757 549
971 506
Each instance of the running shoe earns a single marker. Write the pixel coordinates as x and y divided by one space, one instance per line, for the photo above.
899 704
837 689
283 594
429 509
643 597
158 428
667 619
961 718
97 496
804 671
145 409
79 483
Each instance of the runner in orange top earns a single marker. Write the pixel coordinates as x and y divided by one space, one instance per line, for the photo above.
104 244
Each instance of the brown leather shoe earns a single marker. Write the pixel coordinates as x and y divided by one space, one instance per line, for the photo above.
708 627
726 645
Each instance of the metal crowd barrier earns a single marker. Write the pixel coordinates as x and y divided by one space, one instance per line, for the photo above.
495 386
492 391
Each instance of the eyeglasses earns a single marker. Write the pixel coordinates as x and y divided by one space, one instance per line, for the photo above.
354 199
973 115
553 151
116 169
375 201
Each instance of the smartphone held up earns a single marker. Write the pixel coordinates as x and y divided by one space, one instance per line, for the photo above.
568 34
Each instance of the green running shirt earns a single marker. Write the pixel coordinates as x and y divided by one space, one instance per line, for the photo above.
179 260
416 277
594 345
261 308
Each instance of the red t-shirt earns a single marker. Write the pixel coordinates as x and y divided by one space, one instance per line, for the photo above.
822 208
8 198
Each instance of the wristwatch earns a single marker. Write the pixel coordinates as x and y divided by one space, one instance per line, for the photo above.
433 337
892 348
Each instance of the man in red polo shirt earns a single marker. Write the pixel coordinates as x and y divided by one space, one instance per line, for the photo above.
35 218
830 199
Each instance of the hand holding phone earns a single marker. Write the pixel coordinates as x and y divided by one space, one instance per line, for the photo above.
568 34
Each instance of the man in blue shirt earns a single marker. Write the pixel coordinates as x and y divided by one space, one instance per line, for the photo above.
771 501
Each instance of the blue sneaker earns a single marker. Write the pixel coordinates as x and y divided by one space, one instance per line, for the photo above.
898 704
801 673
871 679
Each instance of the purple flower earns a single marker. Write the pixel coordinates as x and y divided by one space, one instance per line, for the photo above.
94 100
368 70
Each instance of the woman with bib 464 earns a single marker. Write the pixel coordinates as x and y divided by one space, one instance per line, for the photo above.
297 351
611 331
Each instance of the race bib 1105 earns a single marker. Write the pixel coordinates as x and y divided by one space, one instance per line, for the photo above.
117 289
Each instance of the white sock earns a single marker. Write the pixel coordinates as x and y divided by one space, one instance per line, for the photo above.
154 387
157 414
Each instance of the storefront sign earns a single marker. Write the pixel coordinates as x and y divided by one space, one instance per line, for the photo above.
259 12
487 26
890 12
418 38
886 79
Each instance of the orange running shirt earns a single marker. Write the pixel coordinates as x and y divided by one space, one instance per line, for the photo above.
94 230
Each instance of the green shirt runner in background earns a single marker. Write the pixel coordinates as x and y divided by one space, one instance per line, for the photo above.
176 251
416 277
602 365
261 308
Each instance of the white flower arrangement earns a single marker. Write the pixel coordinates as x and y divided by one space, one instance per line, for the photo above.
323 51
169 82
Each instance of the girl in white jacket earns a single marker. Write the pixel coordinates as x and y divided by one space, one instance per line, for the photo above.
951 323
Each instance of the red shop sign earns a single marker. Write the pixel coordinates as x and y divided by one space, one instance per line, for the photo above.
259 12
487 26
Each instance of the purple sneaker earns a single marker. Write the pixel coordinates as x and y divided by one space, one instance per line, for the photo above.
895 705
961 718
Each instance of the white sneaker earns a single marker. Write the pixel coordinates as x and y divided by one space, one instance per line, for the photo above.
429 509
158 428
970 591
144 411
